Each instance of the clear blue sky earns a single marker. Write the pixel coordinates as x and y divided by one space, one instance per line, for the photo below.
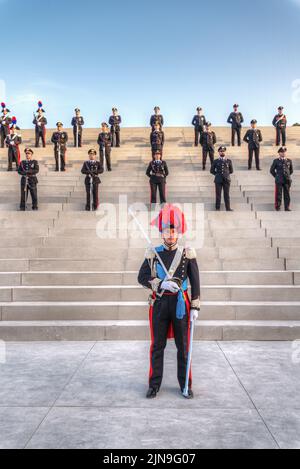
136 54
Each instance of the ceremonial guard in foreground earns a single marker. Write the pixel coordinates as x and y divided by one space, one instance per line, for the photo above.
171 310
115 122
199 121
280 124
13 141
92 169
157 140
236 120
5 122
28 169
157 118
60 139
40 123
158 172
77 124
282 170
104 141
254 138
222 168
208 140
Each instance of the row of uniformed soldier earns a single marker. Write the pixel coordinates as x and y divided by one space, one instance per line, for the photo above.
236 120
77 124
157 170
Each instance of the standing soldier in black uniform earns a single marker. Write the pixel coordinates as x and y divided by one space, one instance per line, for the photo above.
13 141
28 169
158 172
280 124
115 122
60 139
253 137
40 123
222 168
5 122
77 124
199 121
282 170
104 142
236 120
157 118
208 140
157 140
171 310
92 169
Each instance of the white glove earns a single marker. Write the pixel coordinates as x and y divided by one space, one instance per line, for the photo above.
194 314
170 286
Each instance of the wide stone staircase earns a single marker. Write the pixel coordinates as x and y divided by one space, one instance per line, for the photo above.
60 281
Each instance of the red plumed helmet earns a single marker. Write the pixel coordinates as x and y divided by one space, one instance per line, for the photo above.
170 217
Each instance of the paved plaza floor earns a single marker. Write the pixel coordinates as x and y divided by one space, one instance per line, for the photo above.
92 395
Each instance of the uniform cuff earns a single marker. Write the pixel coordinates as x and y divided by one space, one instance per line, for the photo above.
155 283
196 304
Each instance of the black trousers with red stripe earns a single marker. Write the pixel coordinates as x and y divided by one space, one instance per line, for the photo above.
162 315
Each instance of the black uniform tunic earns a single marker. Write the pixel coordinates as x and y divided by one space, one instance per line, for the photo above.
222 168
60 140
163 313
253 137
282 170
28 170
92 169
236 120
158 171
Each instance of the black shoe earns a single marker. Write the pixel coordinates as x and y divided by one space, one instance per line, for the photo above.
190 394
218 209
277 209
229 210
288 210
152 393
35 209
22 209
109 170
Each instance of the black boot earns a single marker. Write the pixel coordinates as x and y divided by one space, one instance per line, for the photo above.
190 394
152 393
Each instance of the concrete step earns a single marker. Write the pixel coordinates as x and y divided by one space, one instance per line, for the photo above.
139 310
132 292
130 278
139 330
